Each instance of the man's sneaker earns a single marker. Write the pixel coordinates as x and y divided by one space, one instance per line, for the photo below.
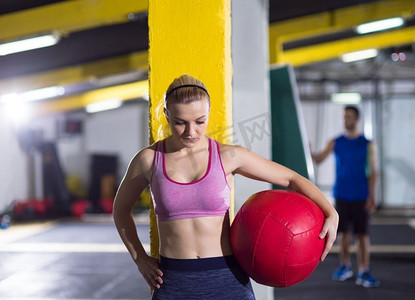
342 273
365 279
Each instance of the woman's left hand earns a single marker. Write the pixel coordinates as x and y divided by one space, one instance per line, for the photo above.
329 231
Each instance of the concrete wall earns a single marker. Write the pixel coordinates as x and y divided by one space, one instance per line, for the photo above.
251 107
123 132
14 183
398 144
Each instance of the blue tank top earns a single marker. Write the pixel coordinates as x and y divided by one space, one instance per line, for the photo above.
351 164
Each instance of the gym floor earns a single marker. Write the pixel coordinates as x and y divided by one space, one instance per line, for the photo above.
70 259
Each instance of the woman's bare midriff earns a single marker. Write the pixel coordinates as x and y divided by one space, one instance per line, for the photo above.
195 238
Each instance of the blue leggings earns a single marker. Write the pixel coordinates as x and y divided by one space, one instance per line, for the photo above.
203 279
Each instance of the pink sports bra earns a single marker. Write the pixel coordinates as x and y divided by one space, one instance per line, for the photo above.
208 196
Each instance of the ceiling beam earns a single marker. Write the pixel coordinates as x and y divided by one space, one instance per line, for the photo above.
326 51
76 74
123 92
334 21
68 16
340 19
77 15
279 32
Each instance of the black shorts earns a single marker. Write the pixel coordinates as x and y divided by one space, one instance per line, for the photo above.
352 216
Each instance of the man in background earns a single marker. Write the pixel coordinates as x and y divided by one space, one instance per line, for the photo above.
354 191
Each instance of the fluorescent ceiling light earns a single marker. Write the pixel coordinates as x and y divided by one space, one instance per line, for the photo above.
379 25
34 95
103 105
359 55
17 112
29 43
346 98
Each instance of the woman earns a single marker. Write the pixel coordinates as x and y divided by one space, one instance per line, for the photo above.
190 177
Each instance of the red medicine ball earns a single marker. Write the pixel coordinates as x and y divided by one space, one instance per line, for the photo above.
275 237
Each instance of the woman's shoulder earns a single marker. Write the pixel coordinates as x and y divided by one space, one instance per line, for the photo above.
143 159
222 146
147 151
230 147
230 152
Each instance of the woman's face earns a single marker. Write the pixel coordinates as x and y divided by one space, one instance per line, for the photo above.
188 122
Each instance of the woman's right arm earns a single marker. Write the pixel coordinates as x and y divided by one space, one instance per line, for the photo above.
134 182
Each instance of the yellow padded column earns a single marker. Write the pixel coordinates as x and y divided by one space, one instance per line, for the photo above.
192 37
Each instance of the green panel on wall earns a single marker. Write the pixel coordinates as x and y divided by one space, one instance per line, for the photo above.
289 141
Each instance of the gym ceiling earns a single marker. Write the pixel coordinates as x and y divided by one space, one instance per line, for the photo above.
103 44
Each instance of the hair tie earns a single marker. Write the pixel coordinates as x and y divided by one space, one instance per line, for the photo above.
186 85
